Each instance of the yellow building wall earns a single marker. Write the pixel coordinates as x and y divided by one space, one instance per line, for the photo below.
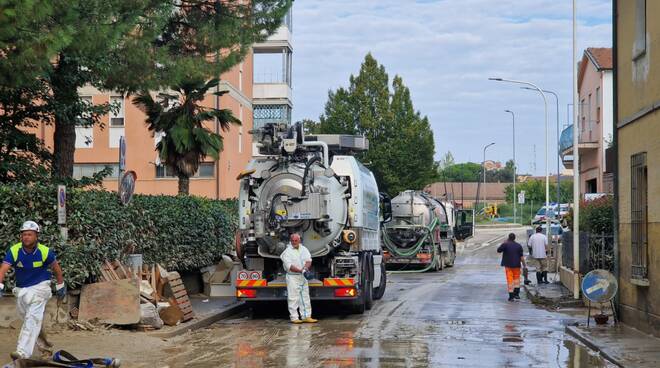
638 88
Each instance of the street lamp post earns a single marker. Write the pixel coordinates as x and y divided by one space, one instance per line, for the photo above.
547 174
558 149
513 122
483 165
576 166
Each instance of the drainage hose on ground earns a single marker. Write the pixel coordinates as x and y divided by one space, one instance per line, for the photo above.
412 251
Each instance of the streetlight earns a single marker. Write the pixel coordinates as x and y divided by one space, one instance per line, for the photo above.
547 175
576 165
513 121
483 165
558 149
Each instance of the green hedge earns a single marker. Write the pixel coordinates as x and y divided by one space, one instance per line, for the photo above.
180 233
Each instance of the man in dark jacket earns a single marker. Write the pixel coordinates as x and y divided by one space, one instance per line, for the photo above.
512 258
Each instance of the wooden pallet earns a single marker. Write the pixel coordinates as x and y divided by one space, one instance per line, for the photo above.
181 296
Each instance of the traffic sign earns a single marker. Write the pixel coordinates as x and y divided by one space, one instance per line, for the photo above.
61 205
599 286
521 197
127 186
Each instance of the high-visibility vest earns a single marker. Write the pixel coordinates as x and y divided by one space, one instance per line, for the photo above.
42 248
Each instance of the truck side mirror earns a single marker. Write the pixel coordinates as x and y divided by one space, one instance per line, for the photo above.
385 208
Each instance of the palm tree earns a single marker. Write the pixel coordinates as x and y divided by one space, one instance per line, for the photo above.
181 119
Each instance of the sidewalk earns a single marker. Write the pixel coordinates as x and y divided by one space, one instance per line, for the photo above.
553 295
207 311
623 345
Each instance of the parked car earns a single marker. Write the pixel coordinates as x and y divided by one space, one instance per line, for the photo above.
542 213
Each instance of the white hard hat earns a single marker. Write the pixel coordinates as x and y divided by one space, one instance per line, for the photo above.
30 225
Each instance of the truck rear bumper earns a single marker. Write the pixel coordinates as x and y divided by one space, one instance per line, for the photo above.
278 291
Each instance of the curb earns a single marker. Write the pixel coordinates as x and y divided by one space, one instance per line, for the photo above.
205 321
584 338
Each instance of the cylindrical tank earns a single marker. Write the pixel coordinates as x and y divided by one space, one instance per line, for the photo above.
413 213
319 217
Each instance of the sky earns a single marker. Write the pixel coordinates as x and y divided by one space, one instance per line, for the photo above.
445 51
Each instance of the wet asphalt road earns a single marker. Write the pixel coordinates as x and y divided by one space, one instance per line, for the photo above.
458 317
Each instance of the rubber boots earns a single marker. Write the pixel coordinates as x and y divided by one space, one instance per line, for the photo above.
539 278
545 277
511 297
516 293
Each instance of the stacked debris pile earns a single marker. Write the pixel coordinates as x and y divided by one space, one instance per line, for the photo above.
142 298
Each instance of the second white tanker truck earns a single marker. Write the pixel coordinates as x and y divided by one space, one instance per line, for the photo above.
313 186
423 232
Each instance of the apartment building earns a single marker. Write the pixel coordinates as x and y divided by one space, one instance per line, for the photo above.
266 99
637 140
595 86
273 61
97 147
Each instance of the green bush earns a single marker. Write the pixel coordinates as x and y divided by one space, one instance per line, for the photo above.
180 233
597 216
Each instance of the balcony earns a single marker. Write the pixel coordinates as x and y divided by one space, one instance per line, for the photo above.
586 143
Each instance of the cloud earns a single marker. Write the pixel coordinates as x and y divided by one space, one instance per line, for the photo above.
445 51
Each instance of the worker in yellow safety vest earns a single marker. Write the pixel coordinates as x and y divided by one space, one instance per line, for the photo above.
32 262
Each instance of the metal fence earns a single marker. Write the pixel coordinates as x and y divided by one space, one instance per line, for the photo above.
596 251
601 252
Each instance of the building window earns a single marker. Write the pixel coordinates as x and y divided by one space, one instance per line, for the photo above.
88 170
264 114
598 97
240 130
206 170
117 111
639 47
639 215
84 118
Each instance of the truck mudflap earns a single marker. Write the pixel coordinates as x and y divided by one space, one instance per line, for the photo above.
328 289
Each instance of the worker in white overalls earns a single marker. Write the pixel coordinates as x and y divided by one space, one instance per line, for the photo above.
297 262
32 262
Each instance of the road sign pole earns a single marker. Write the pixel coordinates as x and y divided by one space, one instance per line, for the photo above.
61 212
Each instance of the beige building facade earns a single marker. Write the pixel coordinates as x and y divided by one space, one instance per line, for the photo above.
98 147
637 63
595 94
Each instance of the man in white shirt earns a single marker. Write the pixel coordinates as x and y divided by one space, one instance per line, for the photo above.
297 262
538 244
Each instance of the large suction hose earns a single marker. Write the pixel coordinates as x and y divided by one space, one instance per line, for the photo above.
394 249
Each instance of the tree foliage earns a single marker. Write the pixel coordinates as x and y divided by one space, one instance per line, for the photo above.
473 172
401 144
535 191
446 161
180 119
123 46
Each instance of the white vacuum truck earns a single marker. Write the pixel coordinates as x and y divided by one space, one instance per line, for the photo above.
315 187
423 232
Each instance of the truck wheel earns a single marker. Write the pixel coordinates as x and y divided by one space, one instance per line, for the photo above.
360 303
440 260
369 284
380 290
451 256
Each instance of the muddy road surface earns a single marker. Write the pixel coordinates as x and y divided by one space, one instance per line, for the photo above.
459 317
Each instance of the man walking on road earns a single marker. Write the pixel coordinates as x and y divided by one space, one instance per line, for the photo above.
538 244
297 262
512 258
32 262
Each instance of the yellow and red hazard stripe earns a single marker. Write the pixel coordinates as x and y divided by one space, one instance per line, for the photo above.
338 282
251 283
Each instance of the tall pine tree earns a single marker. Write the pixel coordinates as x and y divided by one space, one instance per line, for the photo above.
401 145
